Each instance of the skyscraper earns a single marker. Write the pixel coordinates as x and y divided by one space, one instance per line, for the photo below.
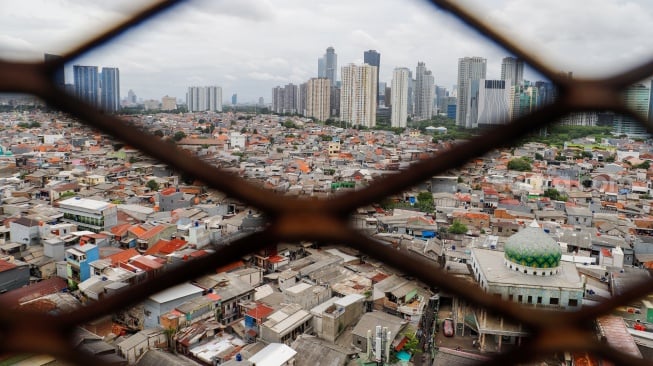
331 65
110 90
204 98
523 99
358 95
290 100
512 69
87 85
234 99
399 97
58 76
441 95
278 99
285 99
302 92
469 68
321 67
318 98
373 58
411 94
493 99
423 90
168 103
637 97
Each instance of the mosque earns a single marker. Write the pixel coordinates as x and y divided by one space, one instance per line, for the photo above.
529 271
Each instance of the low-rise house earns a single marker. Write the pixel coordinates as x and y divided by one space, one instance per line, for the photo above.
551 216
254 317
135 346
215 351
171 199
306 295
233 293
13 275
274 354
314 351
333 317
89 214
367 324
78 260
581 216
25 231
284 325
167 300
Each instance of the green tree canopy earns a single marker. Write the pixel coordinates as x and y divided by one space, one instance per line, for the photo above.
178 136
457 227
519 164
425 202
152 185
555 195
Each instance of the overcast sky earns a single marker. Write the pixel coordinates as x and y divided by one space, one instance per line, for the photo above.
249 46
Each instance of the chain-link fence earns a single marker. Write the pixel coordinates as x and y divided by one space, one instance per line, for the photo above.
292 219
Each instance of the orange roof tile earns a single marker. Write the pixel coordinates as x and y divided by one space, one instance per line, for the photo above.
149 234
137 230
123 256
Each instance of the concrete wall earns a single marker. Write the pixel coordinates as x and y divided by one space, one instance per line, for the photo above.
153 310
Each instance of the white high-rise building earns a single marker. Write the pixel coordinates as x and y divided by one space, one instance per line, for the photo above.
358 95
493 102
318 98
424 89
512 69
469 68
399 97
204 98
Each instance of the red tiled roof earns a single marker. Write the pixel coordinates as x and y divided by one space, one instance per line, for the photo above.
276 259
123 256
137 230
213 296
230 267
198 253
5 266
146 264
379 277
14 298
166 246
260 311
152 232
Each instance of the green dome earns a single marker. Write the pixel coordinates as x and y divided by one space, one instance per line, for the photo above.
532 247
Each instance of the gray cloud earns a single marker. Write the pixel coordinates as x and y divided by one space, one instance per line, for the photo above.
249 46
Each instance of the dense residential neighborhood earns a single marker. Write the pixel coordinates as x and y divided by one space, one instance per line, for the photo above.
557 227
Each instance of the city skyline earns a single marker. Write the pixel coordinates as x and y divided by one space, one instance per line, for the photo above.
278 43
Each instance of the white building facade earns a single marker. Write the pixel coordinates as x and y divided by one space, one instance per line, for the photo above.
399 97
358 95
204 98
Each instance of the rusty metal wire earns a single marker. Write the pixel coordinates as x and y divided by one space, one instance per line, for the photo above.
292 219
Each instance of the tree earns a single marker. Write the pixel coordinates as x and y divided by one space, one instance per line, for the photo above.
644 165
152 185
519 164
178 136
586 154
553 194
425 202
538 156
457 227
289 124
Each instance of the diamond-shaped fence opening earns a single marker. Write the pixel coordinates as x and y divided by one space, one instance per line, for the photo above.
291 219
